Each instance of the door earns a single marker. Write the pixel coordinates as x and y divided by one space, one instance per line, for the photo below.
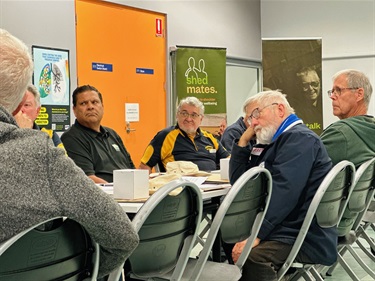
122 52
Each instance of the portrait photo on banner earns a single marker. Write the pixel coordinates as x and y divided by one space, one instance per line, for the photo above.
294 66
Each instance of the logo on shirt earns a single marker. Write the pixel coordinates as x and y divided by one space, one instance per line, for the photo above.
210 149
115 146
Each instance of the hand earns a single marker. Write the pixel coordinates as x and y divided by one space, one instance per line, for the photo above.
237 249
246 137
23 120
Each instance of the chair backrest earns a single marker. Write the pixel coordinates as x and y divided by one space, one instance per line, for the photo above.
240 215
327 205
62 252
167 225
360 200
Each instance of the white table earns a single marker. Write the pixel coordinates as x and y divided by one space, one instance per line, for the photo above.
133 207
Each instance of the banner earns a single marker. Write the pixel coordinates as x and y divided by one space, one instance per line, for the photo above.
295 67
201 72
51 77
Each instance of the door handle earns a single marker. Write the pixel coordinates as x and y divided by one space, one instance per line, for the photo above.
128 129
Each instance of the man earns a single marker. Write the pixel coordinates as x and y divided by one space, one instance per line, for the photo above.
29 112
96 149
352 137
185 141
298 163
235 131
37 180
308 102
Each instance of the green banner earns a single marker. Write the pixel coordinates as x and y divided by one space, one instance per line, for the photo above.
200 72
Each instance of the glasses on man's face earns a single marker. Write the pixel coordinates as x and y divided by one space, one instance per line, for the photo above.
185 114
256 112
306 85
338 91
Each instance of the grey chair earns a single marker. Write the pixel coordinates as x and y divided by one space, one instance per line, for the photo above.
327 206
167 225
56 249
355 220
238 218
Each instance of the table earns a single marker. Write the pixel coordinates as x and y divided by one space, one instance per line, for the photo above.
134 206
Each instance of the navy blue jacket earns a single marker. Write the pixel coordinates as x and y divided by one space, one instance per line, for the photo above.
298 163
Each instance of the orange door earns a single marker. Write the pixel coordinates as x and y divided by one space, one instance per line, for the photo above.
122 52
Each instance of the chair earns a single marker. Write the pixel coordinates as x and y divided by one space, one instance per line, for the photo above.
327 205
238 218
354 222
63 252
167 225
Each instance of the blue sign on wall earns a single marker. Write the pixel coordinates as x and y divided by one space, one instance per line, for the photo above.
144 71
101 66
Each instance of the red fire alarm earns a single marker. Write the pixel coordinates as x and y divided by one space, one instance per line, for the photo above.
159 27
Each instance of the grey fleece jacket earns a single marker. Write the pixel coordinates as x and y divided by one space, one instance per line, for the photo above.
39 182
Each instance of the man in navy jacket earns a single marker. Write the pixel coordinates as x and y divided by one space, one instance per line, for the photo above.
298 163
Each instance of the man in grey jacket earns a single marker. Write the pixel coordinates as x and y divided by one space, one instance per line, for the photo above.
39 182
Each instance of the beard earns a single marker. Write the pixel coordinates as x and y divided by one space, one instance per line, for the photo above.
265 134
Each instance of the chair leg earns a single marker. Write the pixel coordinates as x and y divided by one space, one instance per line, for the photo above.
361 262
346 267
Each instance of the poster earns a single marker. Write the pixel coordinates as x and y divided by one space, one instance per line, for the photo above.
294 66
51 77
201 72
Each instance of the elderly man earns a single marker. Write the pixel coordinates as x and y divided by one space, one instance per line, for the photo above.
38 182
29 112
96 149
352 137
298 162
185 141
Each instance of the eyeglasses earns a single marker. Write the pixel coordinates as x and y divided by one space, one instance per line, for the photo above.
186 115
256 112
338 91
306 85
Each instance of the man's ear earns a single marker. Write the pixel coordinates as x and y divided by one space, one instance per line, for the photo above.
281 110
360 94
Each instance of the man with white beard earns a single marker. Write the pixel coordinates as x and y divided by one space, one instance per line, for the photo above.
298 163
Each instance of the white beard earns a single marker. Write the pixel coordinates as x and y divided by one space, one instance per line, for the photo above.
265 134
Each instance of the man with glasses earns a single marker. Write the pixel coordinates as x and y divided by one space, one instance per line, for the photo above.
298 163
352 137
185 141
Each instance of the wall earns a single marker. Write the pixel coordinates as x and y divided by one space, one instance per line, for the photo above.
234 24
347 29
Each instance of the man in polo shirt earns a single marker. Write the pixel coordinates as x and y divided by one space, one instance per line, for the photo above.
96 149
185 141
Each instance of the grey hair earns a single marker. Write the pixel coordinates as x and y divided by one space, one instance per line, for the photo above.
192 101
16 67
356 79
268 97
32 89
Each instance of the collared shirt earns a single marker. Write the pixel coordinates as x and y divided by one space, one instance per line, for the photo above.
173 144
96 153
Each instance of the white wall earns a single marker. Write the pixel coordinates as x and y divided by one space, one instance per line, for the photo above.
347 29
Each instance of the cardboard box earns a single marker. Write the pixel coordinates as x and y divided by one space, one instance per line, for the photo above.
130 184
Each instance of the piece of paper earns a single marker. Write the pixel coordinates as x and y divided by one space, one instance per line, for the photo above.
197 180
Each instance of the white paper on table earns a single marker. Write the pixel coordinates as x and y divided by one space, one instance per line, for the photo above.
197 180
